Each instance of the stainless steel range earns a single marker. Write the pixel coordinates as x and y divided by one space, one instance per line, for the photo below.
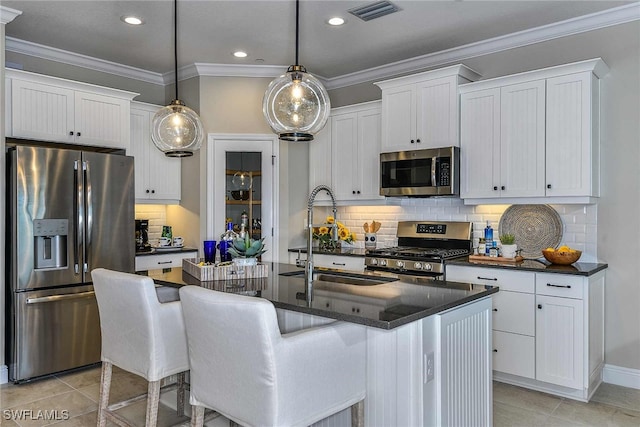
423 248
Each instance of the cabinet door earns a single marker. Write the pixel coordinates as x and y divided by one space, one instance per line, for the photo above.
140 134
399 118
560 341
522 140
572 166
344 140
102 120
164 179
514 312
437 113
480 143
367 161
514 354
42 112
320 161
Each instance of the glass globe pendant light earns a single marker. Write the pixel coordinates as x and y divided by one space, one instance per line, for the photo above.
296 105
176 129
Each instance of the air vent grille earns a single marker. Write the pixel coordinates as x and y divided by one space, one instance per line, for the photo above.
374 10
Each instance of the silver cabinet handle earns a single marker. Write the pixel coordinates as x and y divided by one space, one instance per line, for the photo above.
559 286
54 298
487 278
338 263
165 262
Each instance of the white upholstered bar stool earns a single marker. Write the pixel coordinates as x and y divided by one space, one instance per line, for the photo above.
245 369
141 336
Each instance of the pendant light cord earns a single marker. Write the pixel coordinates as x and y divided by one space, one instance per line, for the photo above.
297 33
175 42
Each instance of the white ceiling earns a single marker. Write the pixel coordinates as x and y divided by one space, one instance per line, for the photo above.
210 30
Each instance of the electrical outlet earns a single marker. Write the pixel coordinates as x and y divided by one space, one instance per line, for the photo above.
430 367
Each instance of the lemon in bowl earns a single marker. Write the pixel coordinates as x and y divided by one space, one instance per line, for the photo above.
564 255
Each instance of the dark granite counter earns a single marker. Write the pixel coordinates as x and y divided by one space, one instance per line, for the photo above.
170 250
540 266
388 305
357 252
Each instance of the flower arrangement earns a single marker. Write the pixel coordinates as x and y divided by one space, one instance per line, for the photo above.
323 235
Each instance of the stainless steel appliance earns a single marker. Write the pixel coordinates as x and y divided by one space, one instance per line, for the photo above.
68 212
420 173
424 247
142 236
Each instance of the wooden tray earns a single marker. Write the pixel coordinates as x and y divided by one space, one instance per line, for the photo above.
225 272
488 259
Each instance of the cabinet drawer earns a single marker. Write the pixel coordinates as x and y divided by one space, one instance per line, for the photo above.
340 262
514 312
560 285
154 262
519 281
514 354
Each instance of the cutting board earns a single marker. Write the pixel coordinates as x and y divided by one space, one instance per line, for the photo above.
493 260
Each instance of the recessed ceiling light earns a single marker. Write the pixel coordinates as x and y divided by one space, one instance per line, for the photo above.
132 20
335 21
240 54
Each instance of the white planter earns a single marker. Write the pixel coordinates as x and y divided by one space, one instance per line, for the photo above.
509 251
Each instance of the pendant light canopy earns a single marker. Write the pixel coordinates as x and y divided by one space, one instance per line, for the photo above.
176 129
296 105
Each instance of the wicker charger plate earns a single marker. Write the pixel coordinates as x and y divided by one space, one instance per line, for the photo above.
535 227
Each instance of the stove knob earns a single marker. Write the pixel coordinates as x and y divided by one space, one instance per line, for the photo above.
383 262
417 266
400 264
374 261
428 267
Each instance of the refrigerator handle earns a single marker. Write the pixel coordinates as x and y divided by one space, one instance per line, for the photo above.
88 212
77 201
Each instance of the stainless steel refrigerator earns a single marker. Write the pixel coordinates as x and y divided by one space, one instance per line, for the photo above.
68 212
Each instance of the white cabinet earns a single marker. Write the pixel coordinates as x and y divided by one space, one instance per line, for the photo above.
421 110
52 109
157 177
532 137
159 261
351 263
320 161
548 329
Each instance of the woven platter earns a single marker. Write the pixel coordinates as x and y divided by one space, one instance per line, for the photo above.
535 227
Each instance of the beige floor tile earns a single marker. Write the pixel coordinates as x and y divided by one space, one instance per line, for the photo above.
560 422
80 379
12 395
626 418
524 398
593 413
136 413
124 385
7 422
505 415
54 408
616 395
89 419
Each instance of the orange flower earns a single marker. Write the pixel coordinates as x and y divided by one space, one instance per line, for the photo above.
323 230
330 220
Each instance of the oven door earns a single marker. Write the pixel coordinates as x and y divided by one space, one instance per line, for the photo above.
422 173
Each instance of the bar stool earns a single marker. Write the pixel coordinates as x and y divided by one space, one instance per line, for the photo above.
245 369
141 336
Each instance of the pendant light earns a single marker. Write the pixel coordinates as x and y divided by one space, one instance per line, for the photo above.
176 129
296 105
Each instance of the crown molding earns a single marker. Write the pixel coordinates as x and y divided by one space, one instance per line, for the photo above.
7 14
581 24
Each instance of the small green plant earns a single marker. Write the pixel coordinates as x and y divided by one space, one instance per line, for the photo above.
247 248
507 239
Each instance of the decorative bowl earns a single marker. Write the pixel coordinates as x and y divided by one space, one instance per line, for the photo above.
562 258
240 194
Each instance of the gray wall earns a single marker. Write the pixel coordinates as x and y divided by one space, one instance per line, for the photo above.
2 204
619 206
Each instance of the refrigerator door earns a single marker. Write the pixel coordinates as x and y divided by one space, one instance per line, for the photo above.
110 213
42 215
53 330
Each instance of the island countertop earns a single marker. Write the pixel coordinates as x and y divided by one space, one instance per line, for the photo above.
388 305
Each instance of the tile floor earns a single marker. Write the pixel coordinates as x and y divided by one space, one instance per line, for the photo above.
77 393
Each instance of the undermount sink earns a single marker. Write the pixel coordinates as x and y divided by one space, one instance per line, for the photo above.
342 278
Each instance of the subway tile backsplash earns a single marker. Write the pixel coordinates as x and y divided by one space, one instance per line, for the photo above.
579 221
157 216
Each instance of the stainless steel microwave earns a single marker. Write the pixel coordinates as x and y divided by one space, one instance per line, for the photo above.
420 173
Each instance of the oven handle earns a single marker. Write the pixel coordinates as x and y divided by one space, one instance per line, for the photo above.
55 298
433 171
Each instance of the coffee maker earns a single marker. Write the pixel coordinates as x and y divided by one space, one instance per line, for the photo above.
142 235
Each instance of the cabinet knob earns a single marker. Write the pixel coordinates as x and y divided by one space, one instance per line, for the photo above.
503 187
418 140
412 141
540 306
495 188
153 191
147 191
78 133
354 192
495 350
549 186
70 133
495 309
358 191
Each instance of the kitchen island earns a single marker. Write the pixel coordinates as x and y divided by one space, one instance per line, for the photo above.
428 343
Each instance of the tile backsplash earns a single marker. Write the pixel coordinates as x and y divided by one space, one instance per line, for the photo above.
157 216
579 221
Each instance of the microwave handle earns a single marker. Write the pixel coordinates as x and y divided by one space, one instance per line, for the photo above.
433 171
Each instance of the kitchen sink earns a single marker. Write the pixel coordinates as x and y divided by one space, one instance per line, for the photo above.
343 278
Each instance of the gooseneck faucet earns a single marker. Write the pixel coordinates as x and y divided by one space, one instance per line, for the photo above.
308 273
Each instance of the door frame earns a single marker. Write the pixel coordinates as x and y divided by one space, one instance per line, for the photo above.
217 145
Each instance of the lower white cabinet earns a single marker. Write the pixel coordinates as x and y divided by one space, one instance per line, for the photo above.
548 329
156 262
352 263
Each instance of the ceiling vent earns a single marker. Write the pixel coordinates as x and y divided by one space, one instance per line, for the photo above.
374 10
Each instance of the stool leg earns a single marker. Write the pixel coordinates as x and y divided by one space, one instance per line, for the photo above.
197 416
357 414
153 396
105 385
181 395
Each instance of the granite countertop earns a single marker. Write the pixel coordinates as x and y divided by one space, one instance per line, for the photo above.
577 268
357 252
388 305
170 250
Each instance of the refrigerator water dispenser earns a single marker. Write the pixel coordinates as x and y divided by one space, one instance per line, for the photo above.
50 243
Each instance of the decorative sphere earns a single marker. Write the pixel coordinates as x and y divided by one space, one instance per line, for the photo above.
296 105
177 130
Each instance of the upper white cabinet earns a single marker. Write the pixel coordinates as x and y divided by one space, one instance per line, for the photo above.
52 109
421 110
157 176
532 137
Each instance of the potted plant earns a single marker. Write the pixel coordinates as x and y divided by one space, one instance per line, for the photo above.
245 251
509 247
